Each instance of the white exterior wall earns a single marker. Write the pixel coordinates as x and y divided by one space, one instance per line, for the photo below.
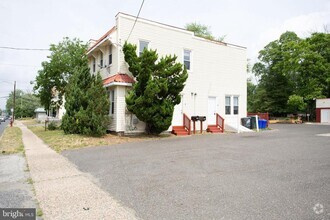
217 70
120 108
61 109
322 103
104 47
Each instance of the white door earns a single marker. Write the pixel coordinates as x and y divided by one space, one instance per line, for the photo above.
325 115
178 114
211 111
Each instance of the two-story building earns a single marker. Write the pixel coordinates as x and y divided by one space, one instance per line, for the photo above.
217 72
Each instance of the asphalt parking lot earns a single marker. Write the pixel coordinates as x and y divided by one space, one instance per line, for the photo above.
279 174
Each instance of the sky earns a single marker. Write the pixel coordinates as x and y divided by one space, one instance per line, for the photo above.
39 23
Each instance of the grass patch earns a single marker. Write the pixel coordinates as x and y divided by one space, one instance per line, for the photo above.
29 180
39 212
59 141
11 141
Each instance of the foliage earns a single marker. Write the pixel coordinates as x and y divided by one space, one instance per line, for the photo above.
55 73
157 88
201 30
87 104
52 126
292 66
251 96
25 103
296 103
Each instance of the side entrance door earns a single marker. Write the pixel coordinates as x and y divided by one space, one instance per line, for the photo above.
325 115
211 110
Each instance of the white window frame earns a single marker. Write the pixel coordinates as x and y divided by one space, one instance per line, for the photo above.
94 65
228 96
235 96
112 102
144 41
110 55
190 59
101 59
232 104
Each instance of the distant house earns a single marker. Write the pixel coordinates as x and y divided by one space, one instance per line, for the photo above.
216 85
323 110
40 114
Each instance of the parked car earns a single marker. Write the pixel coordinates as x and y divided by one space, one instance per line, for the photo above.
2 119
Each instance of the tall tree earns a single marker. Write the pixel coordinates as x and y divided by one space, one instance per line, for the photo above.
55 73
293 67
157 88
87 104
274 72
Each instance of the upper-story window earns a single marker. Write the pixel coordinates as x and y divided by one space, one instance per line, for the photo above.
101 59
228 105
110 54
187 59
142 45
235 105
94 64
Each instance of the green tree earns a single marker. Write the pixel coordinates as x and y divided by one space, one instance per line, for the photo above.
274 70
25 103
293 66
87 104
251 93
157 88
296 103
55 73
201 30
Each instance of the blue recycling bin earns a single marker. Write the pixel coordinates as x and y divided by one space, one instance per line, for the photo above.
262 123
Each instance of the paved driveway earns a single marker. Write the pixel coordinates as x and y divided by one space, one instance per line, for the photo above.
278 174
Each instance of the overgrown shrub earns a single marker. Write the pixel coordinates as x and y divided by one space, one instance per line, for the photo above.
52 126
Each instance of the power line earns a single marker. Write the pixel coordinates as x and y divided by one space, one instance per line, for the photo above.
19 48
135 20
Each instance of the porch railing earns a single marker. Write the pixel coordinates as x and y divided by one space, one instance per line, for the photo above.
220 121
187 123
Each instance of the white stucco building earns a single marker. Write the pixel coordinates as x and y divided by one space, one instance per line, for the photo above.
217 72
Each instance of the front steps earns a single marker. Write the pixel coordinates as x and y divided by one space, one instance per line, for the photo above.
179 131
214 129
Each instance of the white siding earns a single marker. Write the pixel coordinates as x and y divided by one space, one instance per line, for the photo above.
322 103
113 118
104 47
120 110
217 70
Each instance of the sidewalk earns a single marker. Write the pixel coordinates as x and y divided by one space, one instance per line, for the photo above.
62 190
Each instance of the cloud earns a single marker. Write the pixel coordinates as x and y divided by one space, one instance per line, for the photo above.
302 25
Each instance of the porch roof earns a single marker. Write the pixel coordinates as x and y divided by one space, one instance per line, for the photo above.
118 78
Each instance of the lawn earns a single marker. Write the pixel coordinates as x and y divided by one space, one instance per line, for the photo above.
11 141
59 141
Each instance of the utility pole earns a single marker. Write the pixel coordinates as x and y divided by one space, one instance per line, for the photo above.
14 101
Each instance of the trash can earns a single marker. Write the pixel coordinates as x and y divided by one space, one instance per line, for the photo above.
262 123
246 122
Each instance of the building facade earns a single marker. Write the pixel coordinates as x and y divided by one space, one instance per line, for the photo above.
323 110
217 72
